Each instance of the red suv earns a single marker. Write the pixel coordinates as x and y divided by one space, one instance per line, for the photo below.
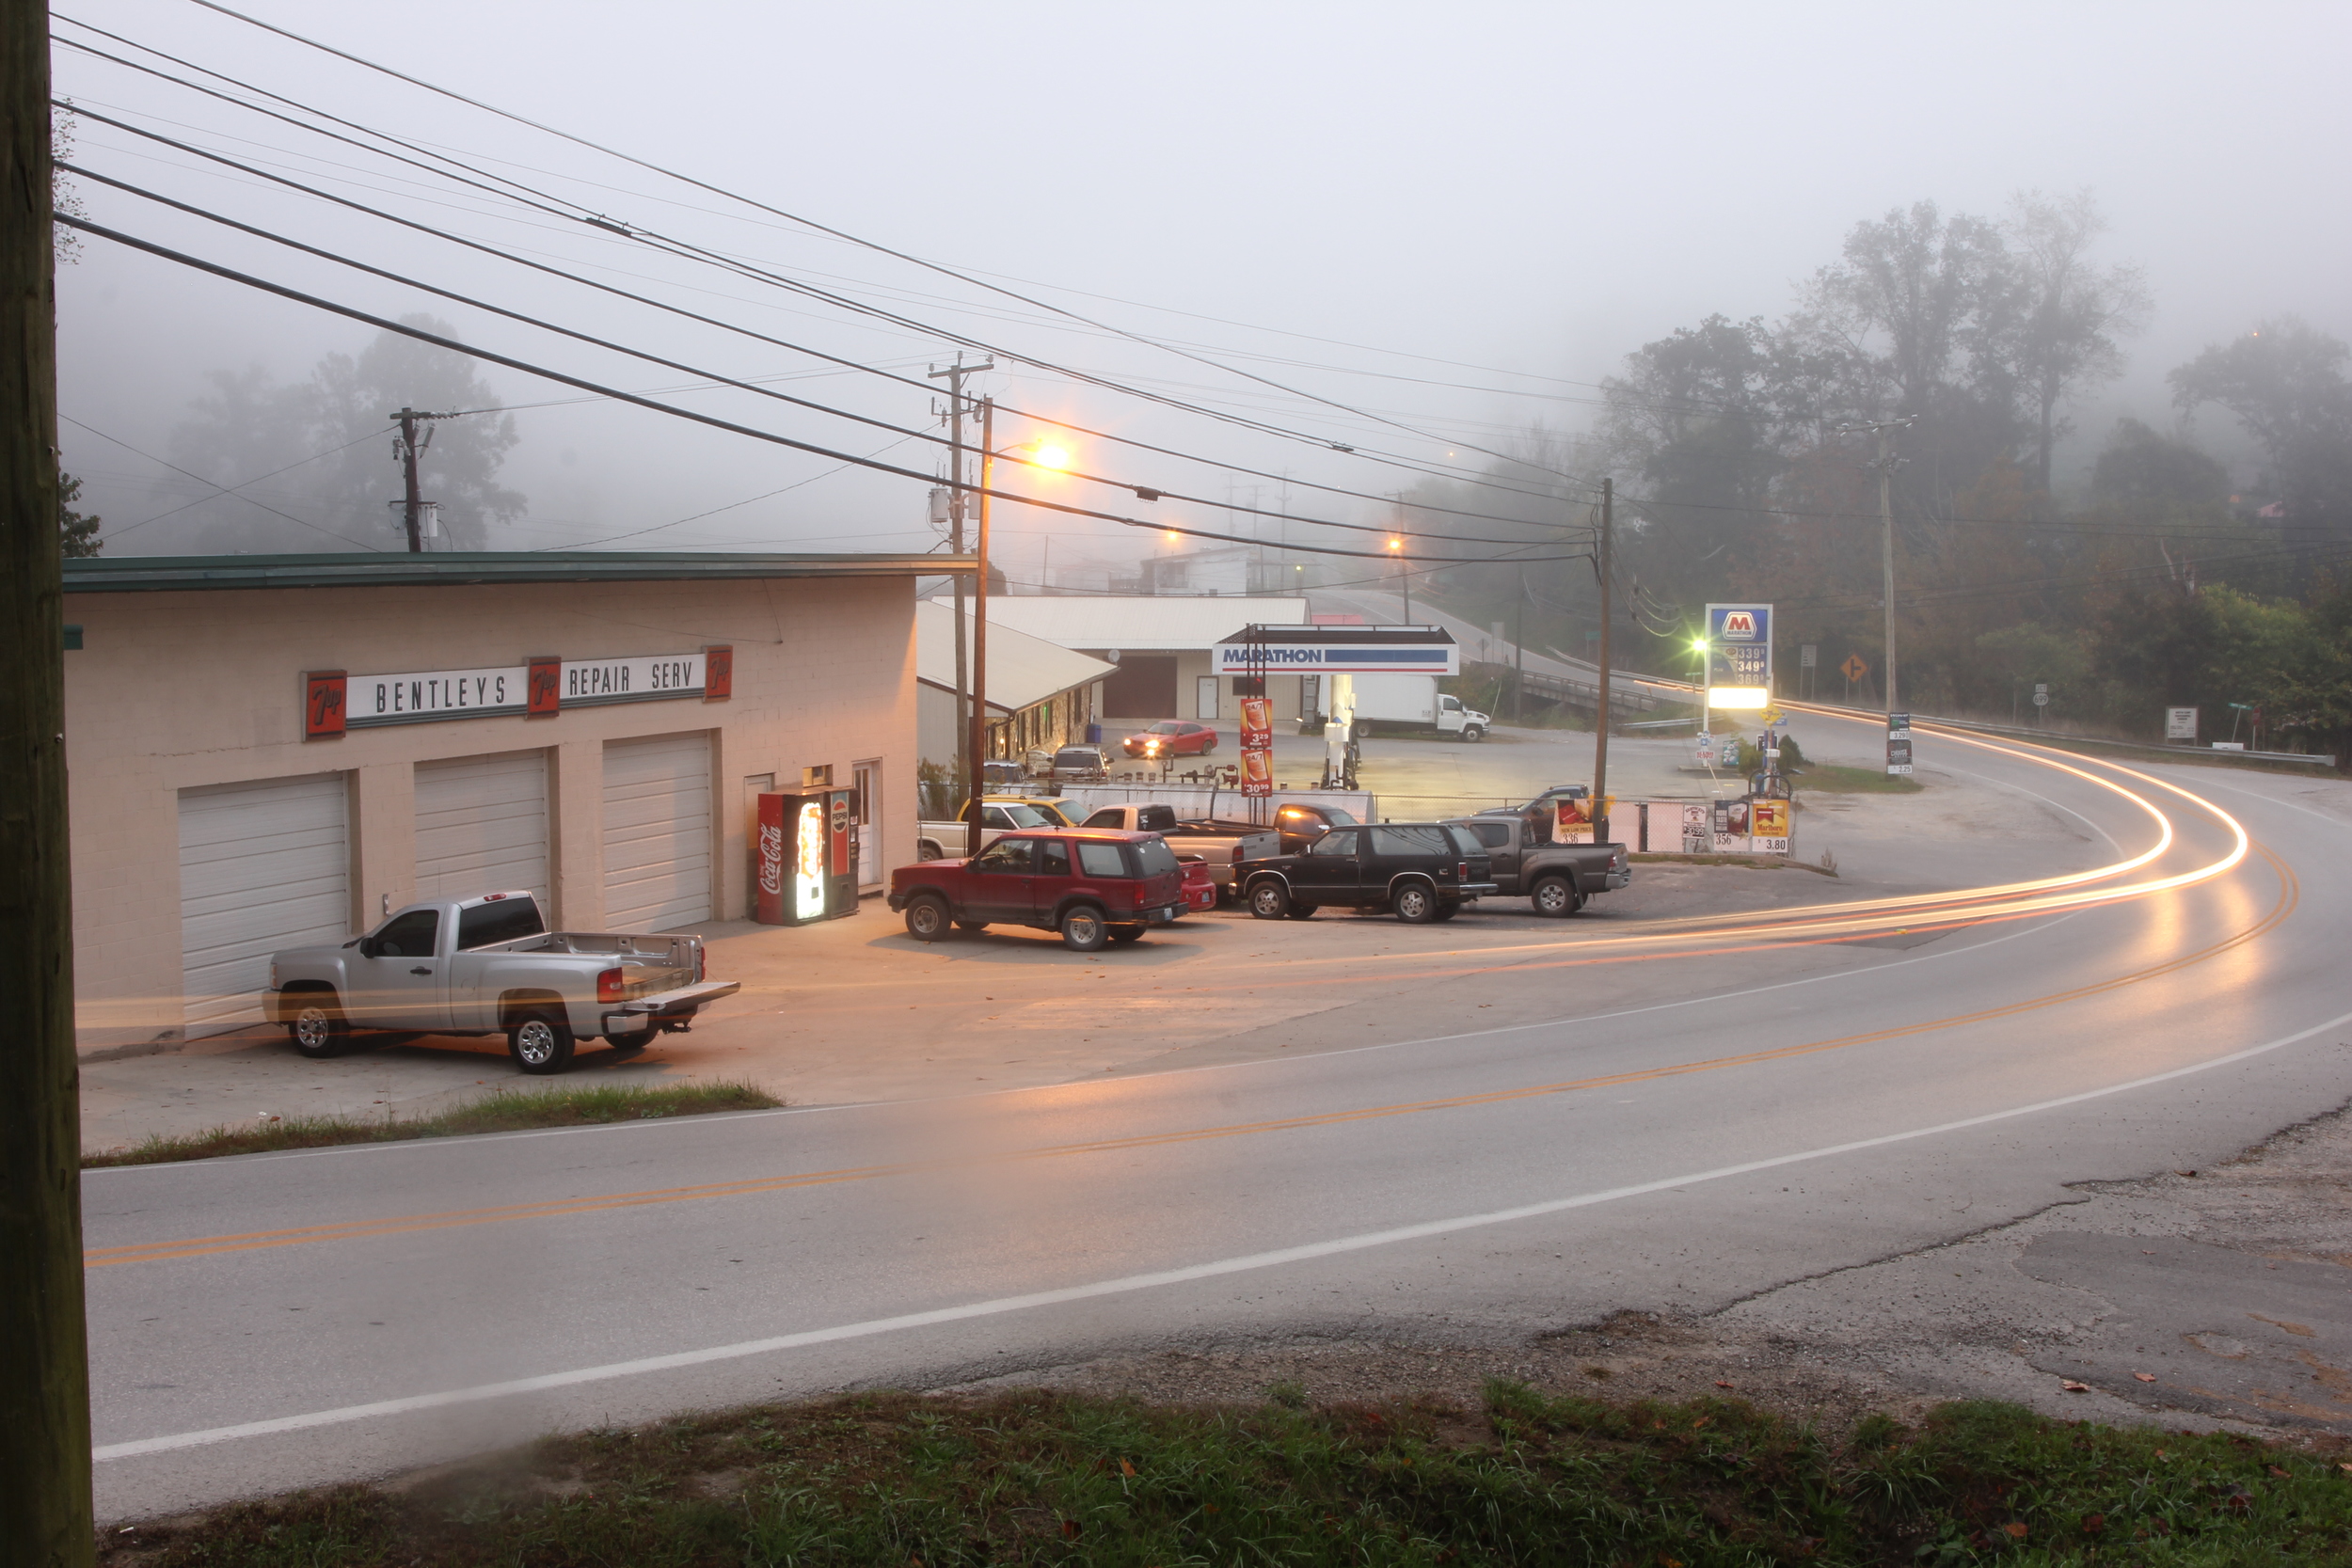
1095 885
1172 738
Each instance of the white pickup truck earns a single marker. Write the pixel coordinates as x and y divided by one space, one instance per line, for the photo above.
945 841
489 965
1223 844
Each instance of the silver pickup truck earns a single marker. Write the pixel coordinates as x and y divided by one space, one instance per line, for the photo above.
489 965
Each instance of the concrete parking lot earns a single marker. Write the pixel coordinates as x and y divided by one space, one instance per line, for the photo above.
856 1010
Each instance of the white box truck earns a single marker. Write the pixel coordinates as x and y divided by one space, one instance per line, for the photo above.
1405 704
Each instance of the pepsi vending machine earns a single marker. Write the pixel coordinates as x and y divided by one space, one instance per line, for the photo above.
807 857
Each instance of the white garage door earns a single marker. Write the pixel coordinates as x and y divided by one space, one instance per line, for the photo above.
262 866
482 825
656 832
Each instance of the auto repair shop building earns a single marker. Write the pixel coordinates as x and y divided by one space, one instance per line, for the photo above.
267 750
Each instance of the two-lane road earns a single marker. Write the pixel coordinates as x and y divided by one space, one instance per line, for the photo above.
1673 1115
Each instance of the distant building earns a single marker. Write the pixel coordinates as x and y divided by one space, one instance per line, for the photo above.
1161 646
1038 694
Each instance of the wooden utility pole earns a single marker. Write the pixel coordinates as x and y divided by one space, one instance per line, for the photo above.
978 739
1601 706
1886 465
967 761
414 498
44 1351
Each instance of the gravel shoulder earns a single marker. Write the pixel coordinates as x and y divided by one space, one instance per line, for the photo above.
2219 1299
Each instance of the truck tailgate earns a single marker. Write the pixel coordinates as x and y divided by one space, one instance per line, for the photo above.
685 996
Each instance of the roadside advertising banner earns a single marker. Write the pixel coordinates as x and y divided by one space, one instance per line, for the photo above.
1731 827
1574 820
1694 829
1257 773
1257 725
1899 754
2180 724
1768 826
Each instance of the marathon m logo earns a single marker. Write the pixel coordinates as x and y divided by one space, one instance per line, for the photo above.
1740 624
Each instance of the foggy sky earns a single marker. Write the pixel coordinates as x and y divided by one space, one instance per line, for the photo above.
1538 189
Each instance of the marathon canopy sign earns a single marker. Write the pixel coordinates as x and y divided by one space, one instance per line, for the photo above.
1341 651
334 701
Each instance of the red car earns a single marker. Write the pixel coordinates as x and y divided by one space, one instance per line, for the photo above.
1199 887
1095 885
1172 738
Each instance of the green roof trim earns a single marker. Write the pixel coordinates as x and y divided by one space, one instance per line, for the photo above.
157 574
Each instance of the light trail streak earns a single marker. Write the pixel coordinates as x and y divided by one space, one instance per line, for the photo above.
203 1246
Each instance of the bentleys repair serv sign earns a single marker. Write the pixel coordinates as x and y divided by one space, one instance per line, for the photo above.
1739 644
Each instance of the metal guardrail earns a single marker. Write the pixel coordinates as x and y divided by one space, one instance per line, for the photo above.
2029 732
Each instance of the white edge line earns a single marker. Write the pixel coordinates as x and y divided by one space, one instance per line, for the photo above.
1130 1283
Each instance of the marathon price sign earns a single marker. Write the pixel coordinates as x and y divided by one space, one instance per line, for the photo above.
1257 746
1739 645
1897 744
334 702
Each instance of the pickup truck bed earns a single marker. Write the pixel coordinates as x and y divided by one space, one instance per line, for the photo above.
487 965
1557 879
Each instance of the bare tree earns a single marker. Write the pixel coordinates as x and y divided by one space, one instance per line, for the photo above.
2071 315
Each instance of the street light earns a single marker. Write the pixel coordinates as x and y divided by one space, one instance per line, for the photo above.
1402 577
1041 453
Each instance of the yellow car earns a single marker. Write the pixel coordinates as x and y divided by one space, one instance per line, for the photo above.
1060 814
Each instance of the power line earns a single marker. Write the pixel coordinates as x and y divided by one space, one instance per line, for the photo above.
840 235
221 488
227 489
844 467
709 321
1143 491
280 290
669 245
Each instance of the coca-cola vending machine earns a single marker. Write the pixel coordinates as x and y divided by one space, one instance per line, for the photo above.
807 857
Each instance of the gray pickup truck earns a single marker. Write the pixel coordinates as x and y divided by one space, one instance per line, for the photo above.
1555 878
489 965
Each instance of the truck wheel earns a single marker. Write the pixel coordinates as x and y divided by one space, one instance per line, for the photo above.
1126 933
540 1043
1267 901
1414 904
319 1028
1554 897
1084 929
927 851
927 918
1303 912
1474 733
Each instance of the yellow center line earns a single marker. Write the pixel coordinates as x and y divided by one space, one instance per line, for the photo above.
201 1246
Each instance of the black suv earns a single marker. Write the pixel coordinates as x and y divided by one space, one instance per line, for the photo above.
1422 871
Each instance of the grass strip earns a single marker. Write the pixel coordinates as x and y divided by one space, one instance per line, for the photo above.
501 1111
1045 1478
1830 778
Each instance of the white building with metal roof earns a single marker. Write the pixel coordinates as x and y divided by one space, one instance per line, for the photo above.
1164 647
